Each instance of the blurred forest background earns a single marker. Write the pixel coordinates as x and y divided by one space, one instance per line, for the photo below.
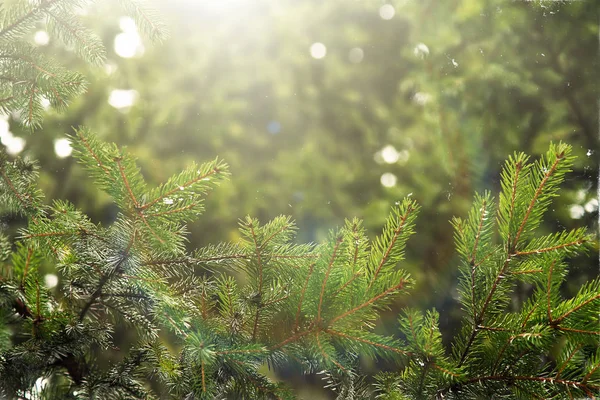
327 110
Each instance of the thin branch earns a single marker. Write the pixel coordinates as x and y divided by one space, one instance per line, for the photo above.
444 370
368 302
518 167
331 261
345 285
178 188
260 280
582 331
30 14
105 278
268 303
358 339
564 364
94 155
583 304
547 249
267 240
126 182
586 388
548 292
537 193
326 356
478 235
302 293
174 211
291 339
397 232
26 269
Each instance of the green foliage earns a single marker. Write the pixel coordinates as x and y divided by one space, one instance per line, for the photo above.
511 350
27 76
228 310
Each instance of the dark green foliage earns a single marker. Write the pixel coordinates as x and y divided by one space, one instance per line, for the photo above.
27 76
209 321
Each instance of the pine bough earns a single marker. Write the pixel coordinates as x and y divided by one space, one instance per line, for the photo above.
208 322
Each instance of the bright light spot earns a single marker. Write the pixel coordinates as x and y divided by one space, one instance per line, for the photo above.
167 201
14 145
388 179
51 280
110 68
122 99
356 55
421 98
580 195
591 205
45 103
389 154
41 38
128 44
454 63
421 50
589 152
318 50
274 127
387 11
576 211
62 148
127 24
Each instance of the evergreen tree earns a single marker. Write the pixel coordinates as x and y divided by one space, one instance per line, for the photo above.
546 347
28 78
207 321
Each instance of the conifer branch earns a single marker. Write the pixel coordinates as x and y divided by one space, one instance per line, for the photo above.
368 302
32 14
105 278
260 280
86 144
553 248
26 269
348 282
302 293
126 182
578 307
548 292
325 355
329 266
9 182
178 188
537 193
525 272
481 314
566 362
582 331
397 232
590 373
478 234
513 194
444 370
268 239
512 378
291 339
371 343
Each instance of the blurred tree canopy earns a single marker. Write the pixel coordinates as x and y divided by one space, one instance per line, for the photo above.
328 110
